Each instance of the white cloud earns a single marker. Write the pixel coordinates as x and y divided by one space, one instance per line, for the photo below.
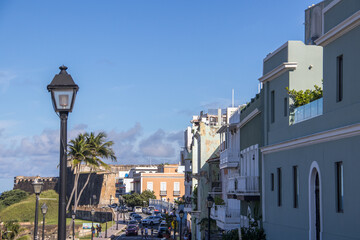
39 154
5 78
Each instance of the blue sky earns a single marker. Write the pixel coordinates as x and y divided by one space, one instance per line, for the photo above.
143 67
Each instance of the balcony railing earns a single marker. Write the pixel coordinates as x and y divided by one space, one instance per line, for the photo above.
244 184
225 215
229 156
163 193
176 193
307 111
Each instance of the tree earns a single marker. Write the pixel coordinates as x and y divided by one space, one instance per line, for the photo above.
12 229
146 195
133 200
87 149
13 196
136 199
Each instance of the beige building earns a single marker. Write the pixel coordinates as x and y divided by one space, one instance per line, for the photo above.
167 182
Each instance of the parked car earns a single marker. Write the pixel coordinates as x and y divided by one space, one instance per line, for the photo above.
150 210
151 220
131 214
163 224
133 222
138 218
137 209
122 209
131 230
161 231
114 205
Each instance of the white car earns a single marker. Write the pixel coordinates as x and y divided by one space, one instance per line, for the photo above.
151 220
138 209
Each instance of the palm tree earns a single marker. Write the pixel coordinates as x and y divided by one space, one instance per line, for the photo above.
88 149
79 153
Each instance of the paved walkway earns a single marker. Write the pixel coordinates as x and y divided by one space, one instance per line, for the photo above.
111 231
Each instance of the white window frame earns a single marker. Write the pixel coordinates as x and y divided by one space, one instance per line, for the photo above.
162 184
150 186
177 186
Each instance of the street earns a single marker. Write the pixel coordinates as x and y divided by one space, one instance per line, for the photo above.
154 235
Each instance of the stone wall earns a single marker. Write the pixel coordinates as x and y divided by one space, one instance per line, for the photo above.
101 185
101 214
25 183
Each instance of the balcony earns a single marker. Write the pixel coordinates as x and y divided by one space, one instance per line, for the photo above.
163 193
307 111
229 158
176 193
244 186
226 218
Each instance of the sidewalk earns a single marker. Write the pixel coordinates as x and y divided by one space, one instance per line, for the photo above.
111 231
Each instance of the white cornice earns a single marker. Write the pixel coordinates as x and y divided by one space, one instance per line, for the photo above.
339 30
282 68
326 136
270 55
248 117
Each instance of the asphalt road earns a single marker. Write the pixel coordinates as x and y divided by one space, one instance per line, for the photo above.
155 228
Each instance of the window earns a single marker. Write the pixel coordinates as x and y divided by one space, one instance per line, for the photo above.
150 186
272 102
163 186
339 78
285 107
279 186
272 182
296 186
339 186
176 186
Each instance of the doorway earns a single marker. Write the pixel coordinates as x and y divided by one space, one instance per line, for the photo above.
315 206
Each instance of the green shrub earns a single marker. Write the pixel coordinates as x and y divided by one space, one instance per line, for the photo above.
254 231
300 98
219 201
13 196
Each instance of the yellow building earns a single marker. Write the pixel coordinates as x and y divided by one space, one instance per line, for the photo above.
167 182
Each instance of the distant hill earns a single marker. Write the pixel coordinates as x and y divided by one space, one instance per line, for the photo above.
24 211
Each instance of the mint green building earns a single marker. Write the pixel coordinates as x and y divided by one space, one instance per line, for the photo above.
310 179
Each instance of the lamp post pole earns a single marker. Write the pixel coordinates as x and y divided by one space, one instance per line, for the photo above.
63 92
210 202
106 223
168 205
37 190
73 226
92 223
181 215
117 219
44 209
36 217
63 161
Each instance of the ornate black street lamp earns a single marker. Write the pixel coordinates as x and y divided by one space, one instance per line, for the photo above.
181 215
44 209
92 223
209 202
168 205
106 218
63 92
73 216
117 218
37 190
